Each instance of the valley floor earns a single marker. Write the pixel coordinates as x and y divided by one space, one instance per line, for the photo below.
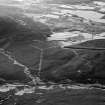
54 95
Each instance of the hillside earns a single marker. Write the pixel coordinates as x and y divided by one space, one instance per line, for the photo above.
16 36
52 52
88 66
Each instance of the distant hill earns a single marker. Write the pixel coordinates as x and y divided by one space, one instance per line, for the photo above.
21 29
68 1
94 43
